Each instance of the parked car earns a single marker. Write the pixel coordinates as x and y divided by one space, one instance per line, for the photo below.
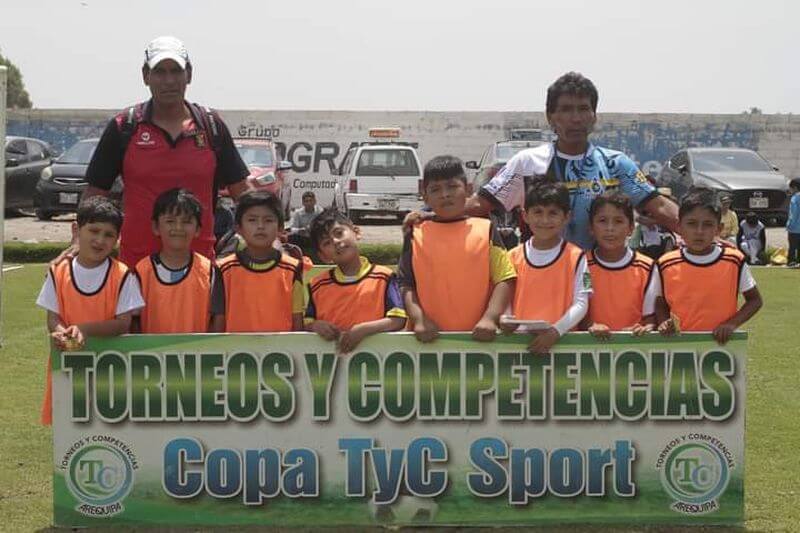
754 183
490 163
267 171
61 184
25 160
379 177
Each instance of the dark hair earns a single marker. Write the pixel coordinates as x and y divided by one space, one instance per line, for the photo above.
795 183
751 217
323 222
548 193
443 167
309 194
256 198
701 197
571 83
615 198
178 202
99 209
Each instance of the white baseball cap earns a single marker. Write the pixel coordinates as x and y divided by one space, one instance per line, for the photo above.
166 47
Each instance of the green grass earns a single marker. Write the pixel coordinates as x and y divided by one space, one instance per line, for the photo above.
772 488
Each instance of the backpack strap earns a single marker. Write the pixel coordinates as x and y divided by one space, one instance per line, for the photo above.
127 121
209 122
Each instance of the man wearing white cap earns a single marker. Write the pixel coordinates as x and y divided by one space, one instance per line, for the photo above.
164 143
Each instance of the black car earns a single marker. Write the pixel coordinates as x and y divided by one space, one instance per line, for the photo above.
25 160
60 186
752 181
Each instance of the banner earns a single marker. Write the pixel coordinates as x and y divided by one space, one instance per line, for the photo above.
280 430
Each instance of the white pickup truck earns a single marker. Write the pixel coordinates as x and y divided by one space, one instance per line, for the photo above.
379 177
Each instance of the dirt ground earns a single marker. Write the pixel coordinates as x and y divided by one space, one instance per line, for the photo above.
29 229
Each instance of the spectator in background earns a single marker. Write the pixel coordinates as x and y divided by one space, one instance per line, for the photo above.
752 238
300 223
793 223
730 222
650 239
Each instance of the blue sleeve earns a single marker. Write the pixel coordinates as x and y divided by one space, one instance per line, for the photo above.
405 270
394 300
632 181
794 212
311 309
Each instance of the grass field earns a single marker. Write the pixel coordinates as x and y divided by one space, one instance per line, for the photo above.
773 432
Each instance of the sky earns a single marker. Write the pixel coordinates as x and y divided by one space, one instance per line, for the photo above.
674 56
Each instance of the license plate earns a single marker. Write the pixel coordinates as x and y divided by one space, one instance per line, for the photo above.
68 197
759 203
387 203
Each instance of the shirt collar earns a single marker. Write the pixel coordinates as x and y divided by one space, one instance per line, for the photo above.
363 270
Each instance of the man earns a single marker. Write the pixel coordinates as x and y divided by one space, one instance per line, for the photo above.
752 238
730 222
161 144
587 170
301 221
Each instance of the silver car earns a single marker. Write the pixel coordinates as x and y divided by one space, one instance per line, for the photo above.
752 181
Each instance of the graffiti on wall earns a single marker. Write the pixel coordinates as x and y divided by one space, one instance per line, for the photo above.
651 144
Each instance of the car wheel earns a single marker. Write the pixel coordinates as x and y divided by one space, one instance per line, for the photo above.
41 214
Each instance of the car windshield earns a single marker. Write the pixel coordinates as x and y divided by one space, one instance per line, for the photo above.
255 156
729 161
79 153
387 163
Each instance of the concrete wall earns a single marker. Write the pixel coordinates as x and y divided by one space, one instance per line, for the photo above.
316 140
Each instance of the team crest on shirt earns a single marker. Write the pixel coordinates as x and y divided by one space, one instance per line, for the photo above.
640 177
145 139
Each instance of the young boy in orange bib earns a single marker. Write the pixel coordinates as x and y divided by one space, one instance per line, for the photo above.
182 289
263 286
91 294
454 270
625 283
356 298
701 282
553 281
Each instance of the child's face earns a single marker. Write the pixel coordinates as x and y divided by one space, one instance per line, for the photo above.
340 245
610 227
260 227
96 241
447 198
698 228
546 222
176 231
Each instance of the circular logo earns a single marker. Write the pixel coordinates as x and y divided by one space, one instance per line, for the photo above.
145 136
100 475
695 473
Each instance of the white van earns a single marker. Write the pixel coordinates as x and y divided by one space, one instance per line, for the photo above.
381 177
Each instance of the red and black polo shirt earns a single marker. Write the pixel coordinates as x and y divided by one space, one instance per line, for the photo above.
153 163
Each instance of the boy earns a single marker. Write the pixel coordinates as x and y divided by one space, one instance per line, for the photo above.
454 271
182 289
625 283
553 282
355 299
91 294
793 223
701 282
263 287
752 238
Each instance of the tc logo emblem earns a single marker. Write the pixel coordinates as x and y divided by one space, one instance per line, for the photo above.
696 473
100 476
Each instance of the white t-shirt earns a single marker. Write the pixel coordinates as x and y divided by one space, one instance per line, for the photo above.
90 280
580 291
653 289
